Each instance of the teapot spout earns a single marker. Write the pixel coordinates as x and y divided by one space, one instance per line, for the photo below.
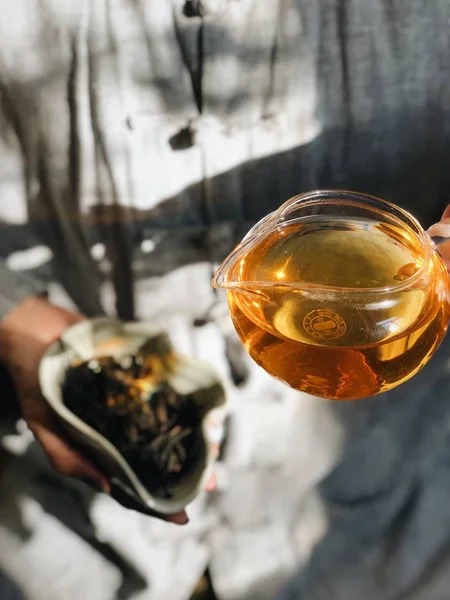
230 274
226 277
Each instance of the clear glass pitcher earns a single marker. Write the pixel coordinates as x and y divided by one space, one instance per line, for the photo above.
338 294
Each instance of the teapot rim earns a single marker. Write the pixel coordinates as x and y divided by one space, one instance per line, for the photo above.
322 197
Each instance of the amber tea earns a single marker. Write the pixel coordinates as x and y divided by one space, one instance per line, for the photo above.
338 306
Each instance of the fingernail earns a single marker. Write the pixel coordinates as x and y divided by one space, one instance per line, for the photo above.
180 519
106 486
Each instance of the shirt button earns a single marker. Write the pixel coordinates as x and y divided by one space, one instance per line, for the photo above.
204 8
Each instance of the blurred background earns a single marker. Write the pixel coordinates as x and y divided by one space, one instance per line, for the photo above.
139 141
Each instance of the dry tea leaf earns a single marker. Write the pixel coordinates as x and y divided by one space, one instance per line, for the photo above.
129 402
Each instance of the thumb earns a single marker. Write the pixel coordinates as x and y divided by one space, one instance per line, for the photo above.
442 230
446 213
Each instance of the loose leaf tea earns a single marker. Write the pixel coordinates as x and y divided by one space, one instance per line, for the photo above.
130 403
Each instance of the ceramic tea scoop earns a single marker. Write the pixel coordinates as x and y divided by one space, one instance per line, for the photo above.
104 337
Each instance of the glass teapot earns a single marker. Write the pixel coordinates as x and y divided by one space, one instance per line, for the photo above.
339 294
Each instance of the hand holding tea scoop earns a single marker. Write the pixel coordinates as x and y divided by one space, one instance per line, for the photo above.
25 335
141 410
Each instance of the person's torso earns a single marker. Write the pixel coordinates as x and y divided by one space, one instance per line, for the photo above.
143 138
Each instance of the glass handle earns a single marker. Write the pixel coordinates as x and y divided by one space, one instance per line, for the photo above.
439 233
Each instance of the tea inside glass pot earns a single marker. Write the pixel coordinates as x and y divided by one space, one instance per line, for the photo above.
338 294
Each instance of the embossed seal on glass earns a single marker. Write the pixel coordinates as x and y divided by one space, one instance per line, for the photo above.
324 324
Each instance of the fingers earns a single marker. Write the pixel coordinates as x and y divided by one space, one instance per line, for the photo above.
442 229
63 458
211 484
444 251
127 501
446 213
68 462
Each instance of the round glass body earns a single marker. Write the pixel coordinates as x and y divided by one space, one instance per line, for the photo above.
338 294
